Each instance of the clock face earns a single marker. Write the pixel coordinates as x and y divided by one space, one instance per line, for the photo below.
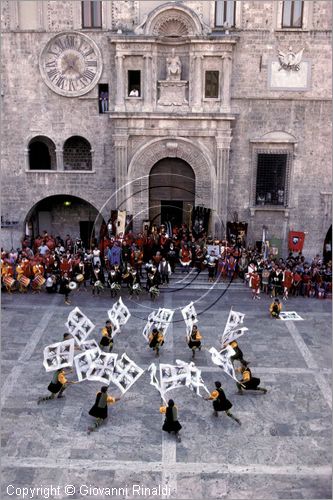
71 64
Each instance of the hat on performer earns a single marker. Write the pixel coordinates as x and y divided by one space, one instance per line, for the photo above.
218 384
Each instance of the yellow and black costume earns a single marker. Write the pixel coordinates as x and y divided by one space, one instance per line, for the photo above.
156 340
106 343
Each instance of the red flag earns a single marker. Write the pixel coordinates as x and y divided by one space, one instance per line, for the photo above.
296 241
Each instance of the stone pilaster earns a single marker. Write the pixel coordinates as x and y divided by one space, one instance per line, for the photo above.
226 83
120 146
120 82
60 159
222 182
196 83
148 83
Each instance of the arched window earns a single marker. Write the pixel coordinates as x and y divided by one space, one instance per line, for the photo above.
77 154
42 154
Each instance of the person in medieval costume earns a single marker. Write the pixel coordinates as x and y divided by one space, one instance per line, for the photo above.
221 403
171 423
100 408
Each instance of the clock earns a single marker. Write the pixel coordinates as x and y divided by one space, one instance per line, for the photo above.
71 64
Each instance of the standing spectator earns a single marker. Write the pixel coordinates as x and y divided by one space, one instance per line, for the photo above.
164 270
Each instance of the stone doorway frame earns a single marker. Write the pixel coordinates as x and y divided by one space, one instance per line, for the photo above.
143 160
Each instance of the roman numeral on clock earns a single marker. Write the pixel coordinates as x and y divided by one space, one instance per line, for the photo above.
51 64
92 64
86 54
88 75
60 82
52 74
71 85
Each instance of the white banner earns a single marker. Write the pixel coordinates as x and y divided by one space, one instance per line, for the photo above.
222 359
126 373
79 325
84 361
102 368
59 355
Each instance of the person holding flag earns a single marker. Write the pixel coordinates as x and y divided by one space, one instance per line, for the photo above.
194 340
106 342
171 423
238 356
100 409
156 340
220 402
57 385
248 382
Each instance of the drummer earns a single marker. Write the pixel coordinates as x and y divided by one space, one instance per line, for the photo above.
38 280
7 276
23 281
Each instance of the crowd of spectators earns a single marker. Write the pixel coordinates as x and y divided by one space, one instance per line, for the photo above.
46 259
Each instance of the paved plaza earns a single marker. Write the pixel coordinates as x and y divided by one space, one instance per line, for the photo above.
281 451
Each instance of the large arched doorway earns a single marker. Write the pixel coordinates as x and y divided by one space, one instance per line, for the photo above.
171 192
60 215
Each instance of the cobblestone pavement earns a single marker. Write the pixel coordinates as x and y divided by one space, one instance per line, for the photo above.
281 451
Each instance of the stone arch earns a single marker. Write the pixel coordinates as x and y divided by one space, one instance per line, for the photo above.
171 147
279 135
173 20
42 153
77 153
51 202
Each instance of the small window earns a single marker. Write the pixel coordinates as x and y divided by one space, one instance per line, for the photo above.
271 179
225 13
134 83
91 14
292 14
103 97
212 84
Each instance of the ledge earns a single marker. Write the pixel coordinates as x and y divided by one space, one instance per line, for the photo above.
60 171
269 208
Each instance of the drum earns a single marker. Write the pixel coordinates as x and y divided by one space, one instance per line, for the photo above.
72 285
38 281
9 281
24 281
115 286
136 286
98 283
79 278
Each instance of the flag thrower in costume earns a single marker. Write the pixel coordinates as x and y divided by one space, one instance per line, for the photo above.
160 320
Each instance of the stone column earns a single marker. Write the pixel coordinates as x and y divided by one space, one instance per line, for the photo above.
60 159
222 184
148 83
196 83
26 159
120 145
120 82
226 83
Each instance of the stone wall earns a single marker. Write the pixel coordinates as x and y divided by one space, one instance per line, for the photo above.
32 109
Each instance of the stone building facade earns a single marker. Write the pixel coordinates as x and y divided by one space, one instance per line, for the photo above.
230 98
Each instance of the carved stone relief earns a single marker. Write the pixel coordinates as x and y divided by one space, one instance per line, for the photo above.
125 14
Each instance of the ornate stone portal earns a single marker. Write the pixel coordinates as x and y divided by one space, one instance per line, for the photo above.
173 89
